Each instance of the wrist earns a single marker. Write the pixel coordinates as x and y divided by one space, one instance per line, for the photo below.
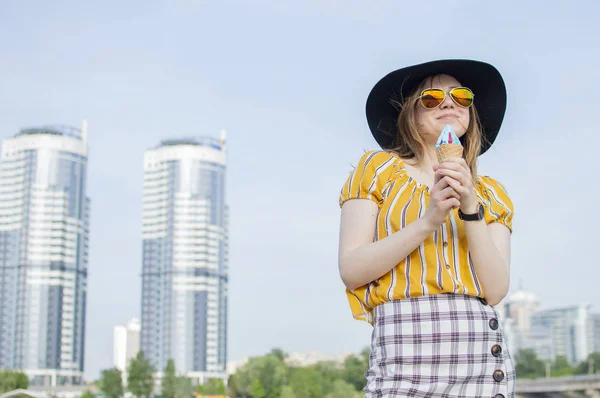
472 216
470 208
428 223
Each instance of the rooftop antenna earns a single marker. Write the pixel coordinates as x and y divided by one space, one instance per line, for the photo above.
84 131
223 137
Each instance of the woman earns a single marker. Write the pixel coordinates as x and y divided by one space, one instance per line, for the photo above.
425 247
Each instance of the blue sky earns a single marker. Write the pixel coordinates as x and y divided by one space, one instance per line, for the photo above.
288 80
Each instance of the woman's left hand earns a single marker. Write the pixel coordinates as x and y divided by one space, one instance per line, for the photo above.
461 180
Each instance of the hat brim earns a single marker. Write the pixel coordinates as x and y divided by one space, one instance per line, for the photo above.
482 78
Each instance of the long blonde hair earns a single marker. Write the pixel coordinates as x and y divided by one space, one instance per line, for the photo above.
409 144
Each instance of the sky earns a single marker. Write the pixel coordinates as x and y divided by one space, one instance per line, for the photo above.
288 81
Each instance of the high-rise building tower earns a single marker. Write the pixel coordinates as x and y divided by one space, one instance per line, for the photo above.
571 329
185 257
44 228
520 307
126 344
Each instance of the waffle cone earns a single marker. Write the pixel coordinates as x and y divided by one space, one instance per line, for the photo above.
448 151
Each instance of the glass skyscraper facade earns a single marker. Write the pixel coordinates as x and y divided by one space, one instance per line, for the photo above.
44 229
571 328
185 257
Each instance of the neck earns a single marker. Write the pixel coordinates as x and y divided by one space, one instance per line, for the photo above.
429 159
423 171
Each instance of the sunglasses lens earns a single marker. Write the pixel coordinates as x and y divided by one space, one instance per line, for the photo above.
462 96
432 98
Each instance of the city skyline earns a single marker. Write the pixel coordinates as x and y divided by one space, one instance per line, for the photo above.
44 244
571 330
289 83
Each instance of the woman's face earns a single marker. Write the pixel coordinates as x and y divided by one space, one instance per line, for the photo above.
431 122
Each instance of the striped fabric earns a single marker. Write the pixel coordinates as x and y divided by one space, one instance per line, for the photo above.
442 263
447 345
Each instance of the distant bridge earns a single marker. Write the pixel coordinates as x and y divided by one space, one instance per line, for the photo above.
568 386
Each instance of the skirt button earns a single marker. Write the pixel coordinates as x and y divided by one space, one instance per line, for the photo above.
496 350
493 324
498 375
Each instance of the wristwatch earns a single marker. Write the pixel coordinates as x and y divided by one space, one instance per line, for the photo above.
472 217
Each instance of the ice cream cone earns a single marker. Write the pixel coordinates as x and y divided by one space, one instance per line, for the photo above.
448 151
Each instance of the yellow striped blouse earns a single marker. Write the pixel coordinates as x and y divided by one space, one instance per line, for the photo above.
441 264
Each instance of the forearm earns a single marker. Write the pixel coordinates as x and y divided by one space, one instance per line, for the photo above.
491 268
372 260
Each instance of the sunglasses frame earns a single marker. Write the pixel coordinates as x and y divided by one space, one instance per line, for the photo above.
420 98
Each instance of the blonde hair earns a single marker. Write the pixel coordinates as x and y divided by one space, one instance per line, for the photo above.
409 144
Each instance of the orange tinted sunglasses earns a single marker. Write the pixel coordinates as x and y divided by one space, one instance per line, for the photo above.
433 97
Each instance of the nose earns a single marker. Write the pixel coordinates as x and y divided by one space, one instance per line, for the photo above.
447 102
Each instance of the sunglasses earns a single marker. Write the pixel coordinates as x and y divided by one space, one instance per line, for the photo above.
433 97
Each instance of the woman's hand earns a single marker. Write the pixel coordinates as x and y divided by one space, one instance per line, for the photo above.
443 199
459 178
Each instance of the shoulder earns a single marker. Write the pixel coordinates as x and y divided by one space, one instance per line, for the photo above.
493 186
369 176
377 158
495 197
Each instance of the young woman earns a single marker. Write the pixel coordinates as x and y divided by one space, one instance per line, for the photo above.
424 248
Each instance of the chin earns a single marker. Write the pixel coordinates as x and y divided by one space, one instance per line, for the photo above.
456 125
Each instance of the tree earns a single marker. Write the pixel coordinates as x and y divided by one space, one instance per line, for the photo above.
268 376
306 383
354 371
87 394
257 390
342 389
591 363
329 371
214 386
12 380
561 367
288 392
183 387
140 381
364 355
279 353
262 377
232 389
529 365
168 380
111 383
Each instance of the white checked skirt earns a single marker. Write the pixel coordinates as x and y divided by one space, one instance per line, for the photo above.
444 345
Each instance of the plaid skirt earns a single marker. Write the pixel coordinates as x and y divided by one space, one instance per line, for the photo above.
445 345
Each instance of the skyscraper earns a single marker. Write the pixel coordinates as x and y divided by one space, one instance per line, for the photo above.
185 257
44 227
520 306
571 328
126 344
518 309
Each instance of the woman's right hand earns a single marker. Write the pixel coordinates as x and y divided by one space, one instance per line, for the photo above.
443 198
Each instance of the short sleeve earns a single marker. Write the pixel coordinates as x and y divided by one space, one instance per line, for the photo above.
497 203
369 177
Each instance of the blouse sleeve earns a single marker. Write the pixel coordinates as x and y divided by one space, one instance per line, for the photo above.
497 203
369 177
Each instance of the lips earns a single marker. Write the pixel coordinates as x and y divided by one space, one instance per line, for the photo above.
448 116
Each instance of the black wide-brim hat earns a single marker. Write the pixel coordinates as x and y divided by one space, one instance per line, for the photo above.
482 78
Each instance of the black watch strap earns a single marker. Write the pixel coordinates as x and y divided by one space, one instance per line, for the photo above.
472 217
